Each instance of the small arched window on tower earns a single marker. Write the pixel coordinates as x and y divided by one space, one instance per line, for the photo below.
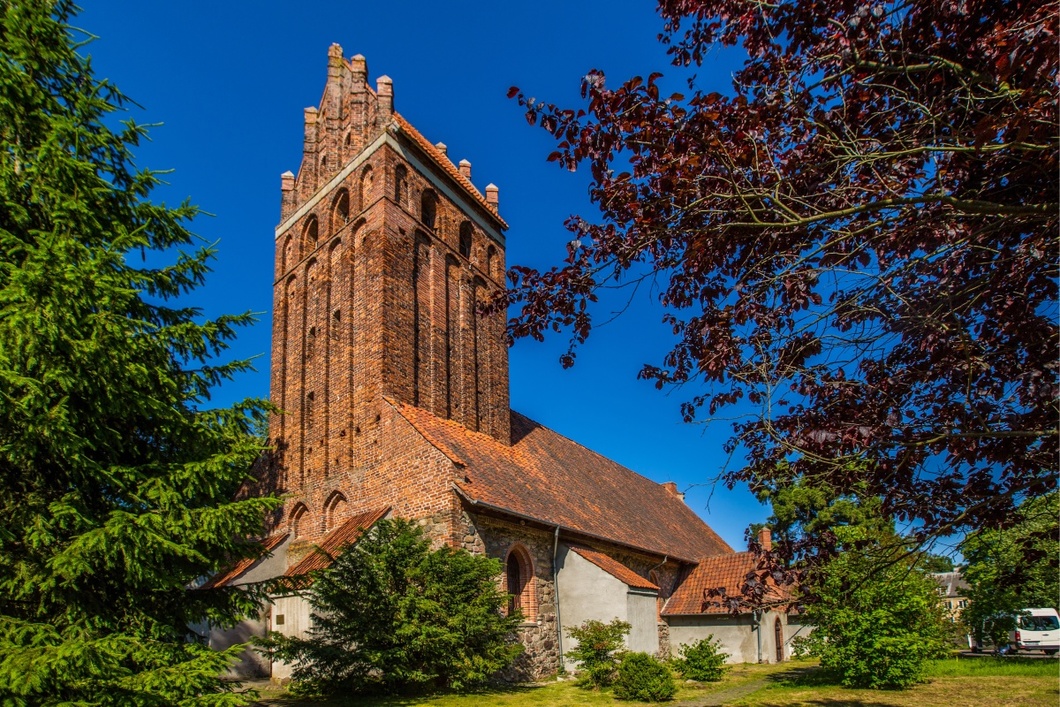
428 208
491 261
465 239
334 510
298 522
519 583
401 186
340 212
310 234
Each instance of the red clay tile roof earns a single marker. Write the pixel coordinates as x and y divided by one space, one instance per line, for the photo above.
447 166
346 534
615 568
722 571
546 477
226 576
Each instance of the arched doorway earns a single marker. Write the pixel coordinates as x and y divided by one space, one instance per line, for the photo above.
778 637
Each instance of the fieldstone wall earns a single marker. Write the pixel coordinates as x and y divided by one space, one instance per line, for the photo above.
538 634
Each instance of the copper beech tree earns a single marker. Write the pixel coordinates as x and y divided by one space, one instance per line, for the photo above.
859 240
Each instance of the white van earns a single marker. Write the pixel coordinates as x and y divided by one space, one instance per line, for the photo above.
1036 630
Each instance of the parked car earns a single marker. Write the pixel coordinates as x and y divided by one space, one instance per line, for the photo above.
1036 630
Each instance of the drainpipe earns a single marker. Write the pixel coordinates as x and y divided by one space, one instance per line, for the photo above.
555 597
756 616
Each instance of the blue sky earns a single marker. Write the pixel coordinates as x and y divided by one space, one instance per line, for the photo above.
228 81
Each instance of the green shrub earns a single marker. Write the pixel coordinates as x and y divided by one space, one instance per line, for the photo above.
645 678
876 625
703 660
391 615
597 650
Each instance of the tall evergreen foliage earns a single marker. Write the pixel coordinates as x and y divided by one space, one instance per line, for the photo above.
391 615
116 479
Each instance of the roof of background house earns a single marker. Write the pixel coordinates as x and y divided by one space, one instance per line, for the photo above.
544 476
722 571
952 583
230 574
322 555
614 568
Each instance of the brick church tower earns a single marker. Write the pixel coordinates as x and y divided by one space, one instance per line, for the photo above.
383 252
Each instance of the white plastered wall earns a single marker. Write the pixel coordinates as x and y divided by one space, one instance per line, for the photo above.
588 592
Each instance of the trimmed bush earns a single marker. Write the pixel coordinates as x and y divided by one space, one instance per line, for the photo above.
703 660
644 678
597 652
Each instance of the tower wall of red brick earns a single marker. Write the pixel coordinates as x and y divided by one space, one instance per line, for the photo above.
382 256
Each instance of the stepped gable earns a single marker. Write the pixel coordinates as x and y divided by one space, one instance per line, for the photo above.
227 576
615 568
721 571
545 477
348 533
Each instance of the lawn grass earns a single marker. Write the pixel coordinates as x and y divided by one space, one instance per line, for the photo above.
991 666
547 694
1009 682
959 680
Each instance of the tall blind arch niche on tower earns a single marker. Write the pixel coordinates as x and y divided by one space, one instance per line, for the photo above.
465 239
334 510
519 582
298 523
366 188
287 256
428 208
310 234
401 186
421 319
340 211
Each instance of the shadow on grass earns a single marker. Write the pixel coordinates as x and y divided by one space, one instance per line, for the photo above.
808 676
827 702
484 695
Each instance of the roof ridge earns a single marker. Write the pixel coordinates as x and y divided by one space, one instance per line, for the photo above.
623 466
589 449
446 165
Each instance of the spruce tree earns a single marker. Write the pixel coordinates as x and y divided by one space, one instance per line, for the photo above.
391 615
117 478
